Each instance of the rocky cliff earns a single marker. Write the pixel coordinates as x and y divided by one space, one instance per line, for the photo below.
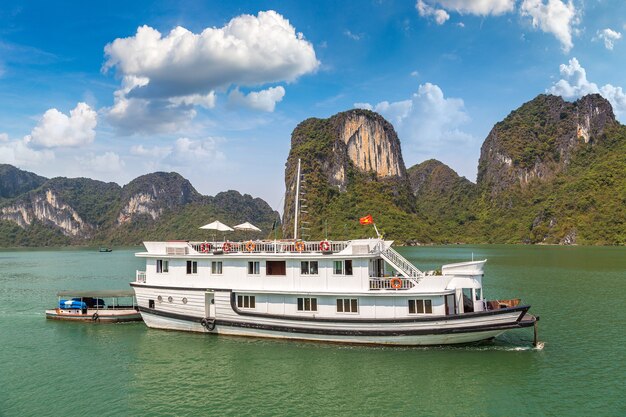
14 181
537 141
345 153
154 193
154 206
551 172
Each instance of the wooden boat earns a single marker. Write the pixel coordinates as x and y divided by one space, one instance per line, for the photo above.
105 250
102 306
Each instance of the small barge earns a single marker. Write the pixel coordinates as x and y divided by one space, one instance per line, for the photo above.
103 306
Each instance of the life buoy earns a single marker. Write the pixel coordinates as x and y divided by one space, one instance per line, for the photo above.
396 283
300 246
95 316
250 246
324 246
226 247
205 247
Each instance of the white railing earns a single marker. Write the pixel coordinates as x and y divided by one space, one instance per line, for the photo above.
140 276
395 283
269 247
399 262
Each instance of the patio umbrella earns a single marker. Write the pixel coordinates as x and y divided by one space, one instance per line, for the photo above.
217 226
247 227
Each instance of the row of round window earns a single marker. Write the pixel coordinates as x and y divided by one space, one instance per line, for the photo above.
171 300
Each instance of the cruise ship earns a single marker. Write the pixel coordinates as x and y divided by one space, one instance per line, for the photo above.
357 291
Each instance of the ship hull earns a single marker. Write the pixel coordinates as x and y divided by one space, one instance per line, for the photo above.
423 331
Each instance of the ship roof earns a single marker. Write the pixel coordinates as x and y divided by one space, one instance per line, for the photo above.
97 293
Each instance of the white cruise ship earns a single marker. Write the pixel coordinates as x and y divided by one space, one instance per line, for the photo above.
358 291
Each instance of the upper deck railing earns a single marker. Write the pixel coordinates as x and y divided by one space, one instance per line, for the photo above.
264 246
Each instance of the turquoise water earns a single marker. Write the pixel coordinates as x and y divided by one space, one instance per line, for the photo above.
76 369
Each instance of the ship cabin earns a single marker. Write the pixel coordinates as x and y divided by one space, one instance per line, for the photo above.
364 277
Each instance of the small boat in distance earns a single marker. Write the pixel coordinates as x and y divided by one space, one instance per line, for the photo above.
105 306
103 249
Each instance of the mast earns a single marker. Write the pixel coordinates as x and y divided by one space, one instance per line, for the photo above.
295 217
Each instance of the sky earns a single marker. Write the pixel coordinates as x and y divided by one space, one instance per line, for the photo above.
213 89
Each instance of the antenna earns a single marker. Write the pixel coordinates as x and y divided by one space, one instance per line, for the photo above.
295 217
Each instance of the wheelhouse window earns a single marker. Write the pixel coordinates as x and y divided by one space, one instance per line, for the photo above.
216 267
307 304
347 305
246 301
162 266
309 268
342 267
275 268
420 306
192 267
254 268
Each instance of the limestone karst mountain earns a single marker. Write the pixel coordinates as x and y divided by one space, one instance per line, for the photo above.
80 211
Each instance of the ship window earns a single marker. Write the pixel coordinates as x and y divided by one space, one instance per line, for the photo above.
150 303
307 304
162 266
246 301
192 267
478 293
343 267
347 305
216 267
308 268
420 306
254 268
275 268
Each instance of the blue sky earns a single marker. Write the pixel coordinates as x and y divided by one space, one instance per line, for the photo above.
212 90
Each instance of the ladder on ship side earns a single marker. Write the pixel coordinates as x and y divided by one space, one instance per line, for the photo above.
401 264
303 209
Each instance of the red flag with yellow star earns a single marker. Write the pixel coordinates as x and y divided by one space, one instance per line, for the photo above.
367 219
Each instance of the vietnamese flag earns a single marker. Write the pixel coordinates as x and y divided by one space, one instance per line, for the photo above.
367 219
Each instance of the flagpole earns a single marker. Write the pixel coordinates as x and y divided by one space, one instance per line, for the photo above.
376 228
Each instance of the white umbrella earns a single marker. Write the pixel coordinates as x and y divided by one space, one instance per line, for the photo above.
248 227
218 226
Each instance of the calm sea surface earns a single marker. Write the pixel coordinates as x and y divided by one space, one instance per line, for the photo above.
50 368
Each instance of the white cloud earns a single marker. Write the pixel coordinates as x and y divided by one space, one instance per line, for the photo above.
153 152
18 153
428 119
575 84
438 9
353 36
430 125
264 100
555 16
56 129
108 162
185 69
249 50
425 10
609 36
4 137
183 153
186 150
207 101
